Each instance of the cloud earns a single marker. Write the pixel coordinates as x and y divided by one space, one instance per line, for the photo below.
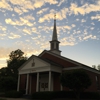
73 25
21 22
89 36
2 35
30 48
61 1
84 9
27 31
42 10
59 15
64 41
51 1
4 5
3 28
31 31
23 6
83 20
97 17
18 10
5 51
13 36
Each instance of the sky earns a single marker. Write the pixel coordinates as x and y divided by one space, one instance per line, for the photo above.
28 25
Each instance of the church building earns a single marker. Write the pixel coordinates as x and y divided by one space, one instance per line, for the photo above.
42 72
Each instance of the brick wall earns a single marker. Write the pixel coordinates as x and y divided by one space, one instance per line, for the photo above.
56 81
22 85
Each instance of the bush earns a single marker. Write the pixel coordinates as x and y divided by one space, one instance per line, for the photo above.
42 95
13 94
53 95
65 94
90 95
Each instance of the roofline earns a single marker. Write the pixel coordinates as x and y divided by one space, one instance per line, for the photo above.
72 61
86 68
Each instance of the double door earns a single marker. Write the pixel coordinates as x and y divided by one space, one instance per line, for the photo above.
43 84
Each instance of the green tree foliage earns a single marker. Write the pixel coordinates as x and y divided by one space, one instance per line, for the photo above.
9 74
76 80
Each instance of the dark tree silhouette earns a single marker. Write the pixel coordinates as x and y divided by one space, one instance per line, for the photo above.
9 74
76 80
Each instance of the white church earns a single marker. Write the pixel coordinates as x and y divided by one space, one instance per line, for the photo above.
42 72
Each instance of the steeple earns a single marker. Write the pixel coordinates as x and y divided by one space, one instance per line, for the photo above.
54 36
54 44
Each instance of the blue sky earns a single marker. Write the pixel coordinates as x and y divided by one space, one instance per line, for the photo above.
28 25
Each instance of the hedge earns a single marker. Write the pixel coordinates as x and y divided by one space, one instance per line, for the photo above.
13 94
65 94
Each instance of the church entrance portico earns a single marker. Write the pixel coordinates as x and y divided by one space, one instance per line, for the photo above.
36 82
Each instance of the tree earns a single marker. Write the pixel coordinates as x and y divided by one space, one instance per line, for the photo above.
98 67
16 59
76 80
9 74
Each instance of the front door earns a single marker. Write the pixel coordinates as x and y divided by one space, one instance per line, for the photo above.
44 82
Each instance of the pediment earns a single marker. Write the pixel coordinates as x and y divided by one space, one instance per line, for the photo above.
33 62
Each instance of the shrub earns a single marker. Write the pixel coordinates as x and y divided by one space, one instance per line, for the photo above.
13 94
90 95
65 94
53 95
42 95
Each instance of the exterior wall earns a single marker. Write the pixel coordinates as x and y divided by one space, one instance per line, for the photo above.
56 81
33 83
58 60
22 86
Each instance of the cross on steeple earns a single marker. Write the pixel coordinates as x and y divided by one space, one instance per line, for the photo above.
55 43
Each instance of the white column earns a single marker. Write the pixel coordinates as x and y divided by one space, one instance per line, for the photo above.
61 88
18 82
30 83
27 81
49 80
61 85
37 86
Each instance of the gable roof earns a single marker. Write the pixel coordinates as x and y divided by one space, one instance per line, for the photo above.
61 57
69 60
45 60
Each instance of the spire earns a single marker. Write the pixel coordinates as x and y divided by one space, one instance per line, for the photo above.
54 44
54 37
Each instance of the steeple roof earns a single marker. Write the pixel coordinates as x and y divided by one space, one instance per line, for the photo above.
54 36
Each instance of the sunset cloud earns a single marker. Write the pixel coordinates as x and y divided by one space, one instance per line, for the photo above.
13 36
89 36
21 22
28 24
4 5
59 15
97 17
42 10
84 9
65 41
